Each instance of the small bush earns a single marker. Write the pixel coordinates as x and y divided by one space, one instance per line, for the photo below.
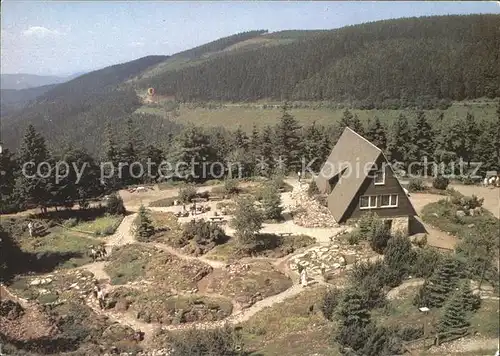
218 342
440 182
108 230
204 235
467 181
114 205
187 193
416 185
379 235
144 226
313 189
231 186
330 301
353 238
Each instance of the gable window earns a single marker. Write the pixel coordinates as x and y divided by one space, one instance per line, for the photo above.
389 201
379 177
367 202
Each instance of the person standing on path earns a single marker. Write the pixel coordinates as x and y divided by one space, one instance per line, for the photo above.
30 228
100 297
303 277
298 173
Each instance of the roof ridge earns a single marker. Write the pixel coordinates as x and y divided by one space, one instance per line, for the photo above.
360 136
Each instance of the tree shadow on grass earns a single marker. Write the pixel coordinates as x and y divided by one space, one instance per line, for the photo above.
41 262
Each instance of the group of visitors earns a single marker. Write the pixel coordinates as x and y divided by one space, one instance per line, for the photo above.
97 252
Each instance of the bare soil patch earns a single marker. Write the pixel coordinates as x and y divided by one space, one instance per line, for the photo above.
248 283
159 306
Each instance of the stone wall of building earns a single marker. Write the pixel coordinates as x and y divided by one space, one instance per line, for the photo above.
400 225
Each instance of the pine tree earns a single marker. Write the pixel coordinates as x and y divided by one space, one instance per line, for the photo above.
254 148
241 140
247 222
422 143
288 144
112 160
399 141
312 147
266 159
375 133
35 187
454 316
195 150
8 173
352 309
271 202
129 154
155 157
144 225
399 255
470 138
82 182
471 302
441 283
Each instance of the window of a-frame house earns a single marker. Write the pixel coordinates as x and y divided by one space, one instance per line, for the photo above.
367 202
389 201
379 176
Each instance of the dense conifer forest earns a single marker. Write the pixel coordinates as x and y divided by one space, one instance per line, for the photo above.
394 63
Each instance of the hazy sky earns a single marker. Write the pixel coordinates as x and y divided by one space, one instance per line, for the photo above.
66 37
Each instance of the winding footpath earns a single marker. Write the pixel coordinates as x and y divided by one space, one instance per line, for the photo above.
124 236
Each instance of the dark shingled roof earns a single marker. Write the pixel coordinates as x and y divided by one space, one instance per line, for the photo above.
354 151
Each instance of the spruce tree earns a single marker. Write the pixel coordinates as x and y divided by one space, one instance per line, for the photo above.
454 315
398 143
247 221
34 187
267 151
399 255
376 134
271 202
288 142
312 147
471 302
8 173
470 138
144 227
441 283
112 159
352 309
422 143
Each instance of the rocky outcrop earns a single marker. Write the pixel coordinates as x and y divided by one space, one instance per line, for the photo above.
308 212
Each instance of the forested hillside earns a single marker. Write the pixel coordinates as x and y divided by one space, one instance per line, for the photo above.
394 63
13 99
77 111
416 63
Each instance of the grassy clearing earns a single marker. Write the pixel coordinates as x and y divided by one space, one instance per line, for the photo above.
160 306
101 226
63 242
233 115
247 282
269 245
128 263
485 320
137 262
58 289
293 327
163 203
167 228
442 215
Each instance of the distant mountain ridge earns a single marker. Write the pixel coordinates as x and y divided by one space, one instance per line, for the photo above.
402 63
25 81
